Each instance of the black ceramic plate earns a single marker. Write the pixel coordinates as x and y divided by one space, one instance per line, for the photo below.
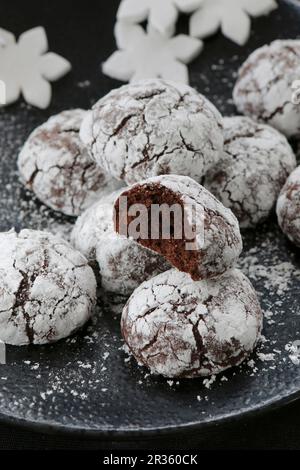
87 383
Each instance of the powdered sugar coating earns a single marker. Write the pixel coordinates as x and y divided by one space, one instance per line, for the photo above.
55 165
217 234
180 328
92 226
153 127
123 263
264 86
255 165
47 290
288 207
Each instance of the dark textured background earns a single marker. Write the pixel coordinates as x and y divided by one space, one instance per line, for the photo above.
68 26
277 430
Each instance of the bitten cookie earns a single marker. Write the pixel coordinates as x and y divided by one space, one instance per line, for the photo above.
264 89
55 165
151 128
47 289
194 232
288 207
255 165
184 329
123 264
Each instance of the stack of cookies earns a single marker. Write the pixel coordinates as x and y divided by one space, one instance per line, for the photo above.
204 316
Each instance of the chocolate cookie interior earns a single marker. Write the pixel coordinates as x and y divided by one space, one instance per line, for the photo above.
175 247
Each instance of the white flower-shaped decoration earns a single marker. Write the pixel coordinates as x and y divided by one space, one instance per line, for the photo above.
27 68
161 14
231 15
150 55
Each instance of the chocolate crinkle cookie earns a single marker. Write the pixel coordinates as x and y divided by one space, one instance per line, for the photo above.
123 263
183 222
153 127
288 208
47 289
264 89
55 165
255 165
184 329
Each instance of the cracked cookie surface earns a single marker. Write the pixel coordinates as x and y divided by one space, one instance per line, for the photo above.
264 88
123 263
184 329
204 237
47 289
151 128
55 165
256 162
288 207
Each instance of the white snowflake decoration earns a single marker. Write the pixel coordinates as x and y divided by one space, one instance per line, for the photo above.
150 55
231 15
161 14
27 68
